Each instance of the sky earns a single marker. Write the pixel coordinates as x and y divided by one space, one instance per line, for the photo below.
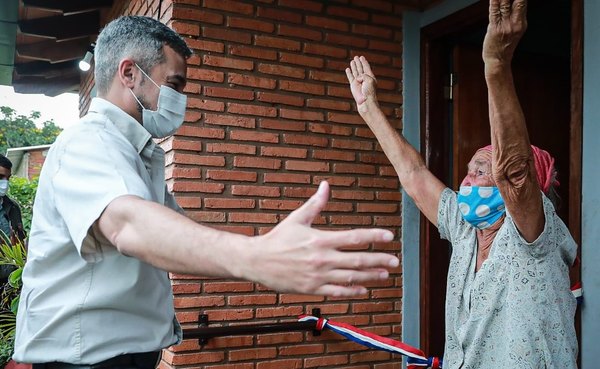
63 109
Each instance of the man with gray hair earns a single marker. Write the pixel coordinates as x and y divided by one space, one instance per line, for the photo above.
105 229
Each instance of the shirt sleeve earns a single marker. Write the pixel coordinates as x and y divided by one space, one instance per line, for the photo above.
450 223
94 168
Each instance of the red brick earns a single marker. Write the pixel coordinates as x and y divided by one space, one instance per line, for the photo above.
352 195
281 70
282 125
277 43
389 196
379 182
394 21
261 191
253 354
189 202
254 136
306 350
201 132
251 24
283 152
214 161
253 218
353 168
222 286
279 15
197 14
364 132
279 204
178 172
350 220
334 155
218 203
303 192
304 140
195 358
345 118
252 81
226 62
203 104
206 216
192 88
307 61
322 361
391 98
265 111
280 98
178 144
370 357
370 30
351 144
230 6
329 129
252 52
286 178
205 75
387 171
229 93
307 166
256 299
185 288
231 148
198 301
304 5
230 175
376 208
347 12
205 45
230 314
328 77
279 311
303 87
346 40
328 104
373 158
374 57
327 23
198 187
256 162
325 50
278 364
388 221
227 35
184 28
230 120
285 298
300 32
230 366
336 91
338 207
335 180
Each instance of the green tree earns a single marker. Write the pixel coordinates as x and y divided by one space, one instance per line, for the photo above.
23 191
18 130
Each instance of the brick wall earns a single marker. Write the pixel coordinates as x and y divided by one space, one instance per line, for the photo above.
270 115
35 161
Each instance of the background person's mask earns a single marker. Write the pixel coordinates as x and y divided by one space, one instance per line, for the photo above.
169 114
3 187
480 206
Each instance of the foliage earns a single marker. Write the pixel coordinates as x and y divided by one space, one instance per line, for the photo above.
13 256
18 130
23 192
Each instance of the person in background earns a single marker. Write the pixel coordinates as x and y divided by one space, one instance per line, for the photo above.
106 231
508 301
11 223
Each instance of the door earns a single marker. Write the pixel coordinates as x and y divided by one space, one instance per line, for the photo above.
455 123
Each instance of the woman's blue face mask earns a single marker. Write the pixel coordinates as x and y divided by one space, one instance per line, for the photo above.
480 206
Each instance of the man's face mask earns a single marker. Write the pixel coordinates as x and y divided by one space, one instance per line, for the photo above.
3 187
169 114
480 206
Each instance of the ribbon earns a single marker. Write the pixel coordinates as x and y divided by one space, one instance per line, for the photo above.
577 291
415 358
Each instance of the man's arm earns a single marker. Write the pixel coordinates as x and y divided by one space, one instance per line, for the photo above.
293 257
513 166
418 182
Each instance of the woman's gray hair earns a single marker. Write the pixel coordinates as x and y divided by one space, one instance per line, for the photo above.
140 38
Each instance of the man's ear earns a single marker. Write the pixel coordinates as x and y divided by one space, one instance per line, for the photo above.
127 72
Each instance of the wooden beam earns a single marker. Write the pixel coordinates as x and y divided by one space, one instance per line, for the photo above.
53 51
61 28
47 86
46 69
68 6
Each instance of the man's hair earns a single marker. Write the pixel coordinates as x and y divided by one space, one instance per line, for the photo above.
5 162
140 38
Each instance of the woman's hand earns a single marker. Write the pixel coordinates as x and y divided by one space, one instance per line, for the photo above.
508 23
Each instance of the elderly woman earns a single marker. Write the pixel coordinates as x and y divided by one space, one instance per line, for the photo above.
508 301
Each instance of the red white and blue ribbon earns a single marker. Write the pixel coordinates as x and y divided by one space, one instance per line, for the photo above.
416 359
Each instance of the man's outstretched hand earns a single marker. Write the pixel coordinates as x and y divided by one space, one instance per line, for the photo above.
295 257
362 83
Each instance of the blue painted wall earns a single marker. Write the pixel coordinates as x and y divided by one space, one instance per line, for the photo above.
590 248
